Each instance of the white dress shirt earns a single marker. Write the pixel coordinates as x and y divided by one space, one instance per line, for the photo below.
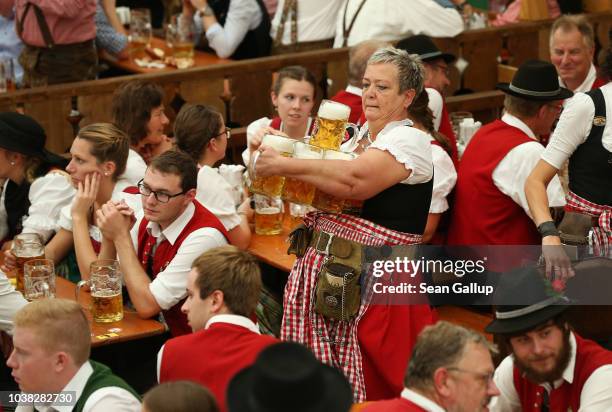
242 16
110 398
393 20
587 84
315 21
574 127
445 177
225 318
216 195
420 400
10 302
511 173
595 396
134 169
170 284
435 104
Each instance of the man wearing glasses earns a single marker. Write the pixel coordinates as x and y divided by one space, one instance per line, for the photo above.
156 250
450 370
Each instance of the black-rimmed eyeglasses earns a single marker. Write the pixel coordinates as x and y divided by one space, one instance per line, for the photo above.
161 197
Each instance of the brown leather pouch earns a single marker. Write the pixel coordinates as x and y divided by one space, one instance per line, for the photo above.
338 292
574 229
299 239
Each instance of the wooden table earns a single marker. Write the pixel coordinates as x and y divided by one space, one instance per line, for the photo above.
131 327
201 59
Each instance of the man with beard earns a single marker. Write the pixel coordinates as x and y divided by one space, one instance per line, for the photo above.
550 368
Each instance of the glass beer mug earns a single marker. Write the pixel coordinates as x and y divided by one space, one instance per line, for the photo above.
332 119
298 191
180 37
324 201
268 215
272 185
26 246
39 279
105 285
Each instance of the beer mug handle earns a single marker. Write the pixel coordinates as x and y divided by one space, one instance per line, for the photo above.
351 143
46 289
253 163
78 288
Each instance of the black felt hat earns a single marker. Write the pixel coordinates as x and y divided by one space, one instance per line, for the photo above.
425 48
287 377
22 134
524 299
536 80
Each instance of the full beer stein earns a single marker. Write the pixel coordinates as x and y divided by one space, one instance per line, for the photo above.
272 185
332 125
324 201
105 285
39 279
26 246
268 215
295 190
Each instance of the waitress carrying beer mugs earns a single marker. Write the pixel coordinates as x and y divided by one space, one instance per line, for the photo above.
371 344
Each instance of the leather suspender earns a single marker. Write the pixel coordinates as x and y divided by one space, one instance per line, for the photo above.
42 24
288 6
347 31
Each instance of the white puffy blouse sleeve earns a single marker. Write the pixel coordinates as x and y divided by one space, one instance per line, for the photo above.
48 195
445 177
410 147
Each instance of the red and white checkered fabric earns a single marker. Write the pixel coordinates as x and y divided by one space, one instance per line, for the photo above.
602 235
333 342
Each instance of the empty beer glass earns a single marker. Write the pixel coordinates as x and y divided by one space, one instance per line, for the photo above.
105 285
295 190
140 32
272 185
26 246
325 201
331 125
39 279
268 215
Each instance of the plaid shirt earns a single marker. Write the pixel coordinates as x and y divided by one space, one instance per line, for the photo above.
602 235
333 342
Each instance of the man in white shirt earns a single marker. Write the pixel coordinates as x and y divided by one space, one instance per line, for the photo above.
235 29
550 367
52 343
572 46
391 20
156 250
450 370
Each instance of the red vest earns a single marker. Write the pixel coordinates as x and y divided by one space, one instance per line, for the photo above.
589 357
276 123
447 130
482 214
165 252
598 83
353 101
212 356
394 405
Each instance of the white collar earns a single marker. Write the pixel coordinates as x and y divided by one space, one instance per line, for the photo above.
514 121
388 127
587 83
233 320
420 400
354 90
175 228
76 385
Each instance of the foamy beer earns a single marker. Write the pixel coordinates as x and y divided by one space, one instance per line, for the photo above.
268 215
295 190
331 125
105 285
26 246
324 201
272 185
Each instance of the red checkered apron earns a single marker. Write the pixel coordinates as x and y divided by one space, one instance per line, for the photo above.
351 346
602 235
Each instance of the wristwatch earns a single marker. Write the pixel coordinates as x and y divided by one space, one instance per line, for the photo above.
206 11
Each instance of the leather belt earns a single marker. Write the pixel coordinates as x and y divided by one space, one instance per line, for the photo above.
333 245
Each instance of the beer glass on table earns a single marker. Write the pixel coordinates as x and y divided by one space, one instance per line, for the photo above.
105 286
332 119
26 246
39 279
272 185
140 32
295 190
268 215
325 201
7 75
180 37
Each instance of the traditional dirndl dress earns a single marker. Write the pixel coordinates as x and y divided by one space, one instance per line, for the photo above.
372 349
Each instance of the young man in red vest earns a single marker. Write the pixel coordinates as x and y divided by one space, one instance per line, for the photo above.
173 229
490 205
222 292
52 343
450 370
550 368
